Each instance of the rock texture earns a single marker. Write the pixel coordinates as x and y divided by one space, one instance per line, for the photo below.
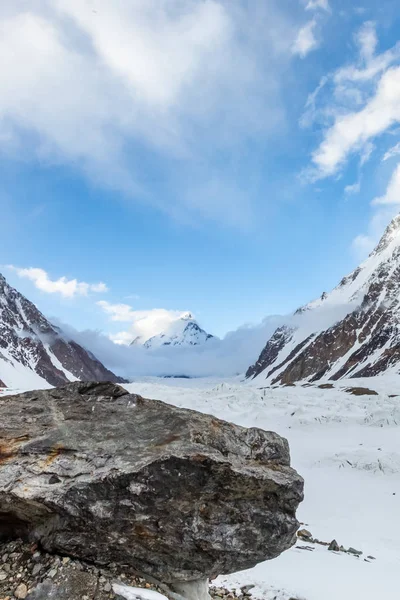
362 342
32 350
91 471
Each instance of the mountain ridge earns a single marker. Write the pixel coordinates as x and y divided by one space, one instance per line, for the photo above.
362 343
34 351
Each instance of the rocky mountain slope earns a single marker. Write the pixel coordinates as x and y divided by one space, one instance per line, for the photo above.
354 331
183 331
33 352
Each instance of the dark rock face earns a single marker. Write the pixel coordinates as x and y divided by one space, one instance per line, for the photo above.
364 343
271 351
96 473
28 338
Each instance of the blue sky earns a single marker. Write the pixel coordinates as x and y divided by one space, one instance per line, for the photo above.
229 158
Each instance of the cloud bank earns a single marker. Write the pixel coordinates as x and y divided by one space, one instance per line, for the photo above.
218 358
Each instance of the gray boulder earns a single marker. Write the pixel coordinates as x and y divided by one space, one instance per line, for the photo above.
94 472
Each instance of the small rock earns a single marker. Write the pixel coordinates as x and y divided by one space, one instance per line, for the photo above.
354 551
21 592
3 575
246 588
52 573
38 567
304 534
334 546
107 587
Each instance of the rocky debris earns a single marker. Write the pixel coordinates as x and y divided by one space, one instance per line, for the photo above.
333 546
220 592
27 572
354 551
27 338
363 342
361 391
91 471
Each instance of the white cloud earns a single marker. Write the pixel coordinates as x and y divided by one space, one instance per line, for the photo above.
393 151
367 40
356 104
352 131
362 100
392 194
353 189
363 244
143 323
97 84
318 4
229 356
69 288
305 41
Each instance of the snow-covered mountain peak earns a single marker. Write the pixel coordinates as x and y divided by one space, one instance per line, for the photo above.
187 316
378 267
34 353
353 331
182 331
390 237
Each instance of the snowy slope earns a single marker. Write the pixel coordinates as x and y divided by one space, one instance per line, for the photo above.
353 331
346 448
183 331
36 354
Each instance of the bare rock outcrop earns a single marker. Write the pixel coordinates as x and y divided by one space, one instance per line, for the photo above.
93 472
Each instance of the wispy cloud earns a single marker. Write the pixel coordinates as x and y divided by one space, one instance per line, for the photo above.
392 194
306 40
102 86
356 104
393 151
318 4
69 288
353 189
362 99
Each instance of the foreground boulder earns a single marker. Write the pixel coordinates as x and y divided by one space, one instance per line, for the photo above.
94 472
